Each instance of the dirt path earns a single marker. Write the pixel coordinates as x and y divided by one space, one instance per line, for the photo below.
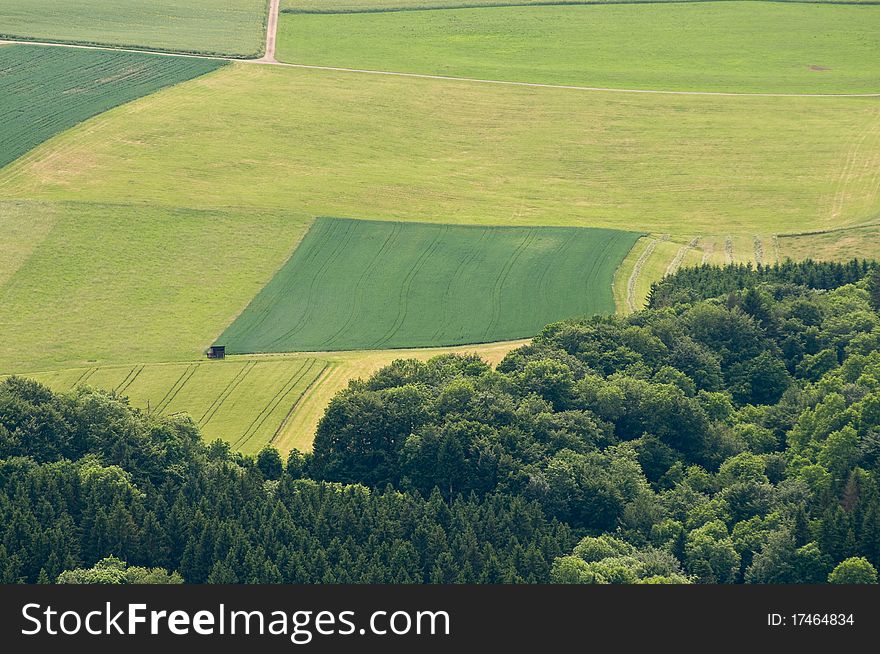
271 33
265 61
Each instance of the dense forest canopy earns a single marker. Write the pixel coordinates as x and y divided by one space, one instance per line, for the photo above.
728 434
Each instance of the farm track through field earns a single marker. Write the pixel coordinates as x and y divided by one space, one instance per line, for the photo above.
326 265
447 292
275 401
175 388
271 33
708 251
451 78
675 264
543 290
212 409
129 379
851 171
83 378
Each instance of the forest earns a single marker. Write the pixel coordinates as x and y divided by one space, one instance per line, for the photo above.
729 433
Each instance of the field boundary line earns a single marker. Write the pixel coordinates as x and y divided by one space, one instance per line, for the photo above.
545 3
450 78
568 87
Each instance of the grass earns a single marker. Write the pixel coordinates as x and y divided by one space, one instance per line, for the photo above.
390 148
862 242
356 284
230 27
708 46
116 283
44 91
366 6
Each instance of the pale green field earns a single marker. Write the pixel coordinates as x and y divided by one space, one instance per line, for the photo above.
862 242
707 46
345 6
229 27
116 283
380 147
658 255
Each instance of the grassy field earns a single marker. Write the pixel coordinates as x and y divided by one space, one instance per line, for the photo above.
99 284
44 91
138 236
709 46
230 27
390 148
356 284
862 242
355 6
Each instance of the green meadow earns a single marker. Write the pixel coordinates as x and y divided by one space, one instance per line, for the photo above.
103 283
230 27
355 284
157 222
391 148
705 46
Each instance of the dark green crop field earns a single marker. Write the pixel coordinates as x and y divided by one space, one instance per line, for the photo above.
44 91
355 284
